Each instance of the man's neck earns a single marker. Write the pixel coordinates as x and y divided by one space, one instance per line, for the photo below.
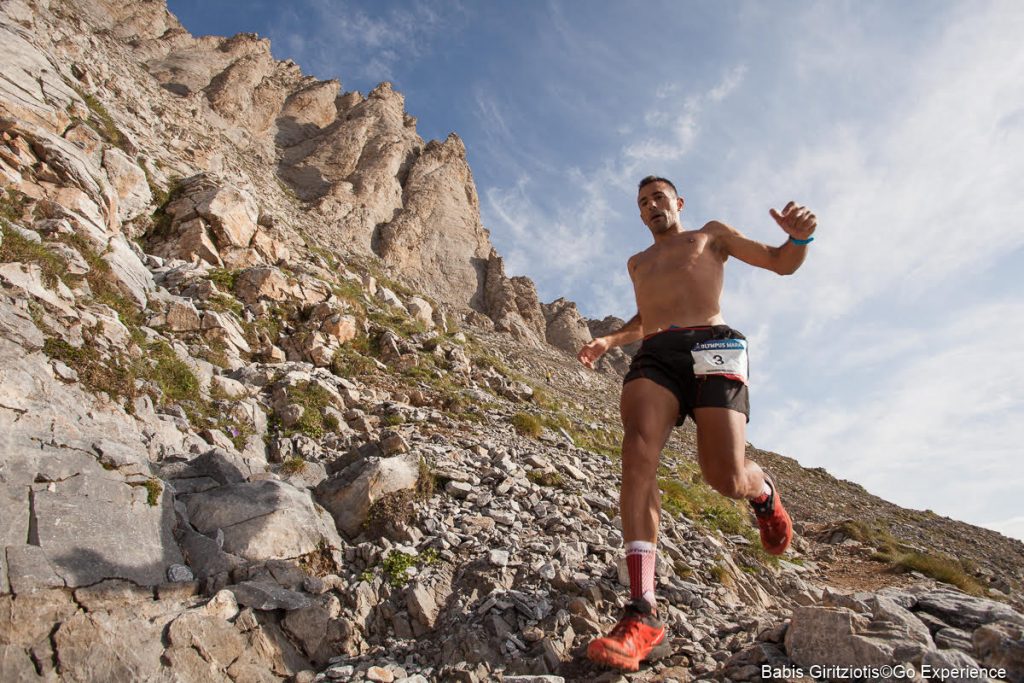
673 231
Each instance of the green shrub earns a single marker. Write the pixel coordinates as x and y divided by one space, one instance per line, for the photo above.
12 205
313 398
721 575
397 564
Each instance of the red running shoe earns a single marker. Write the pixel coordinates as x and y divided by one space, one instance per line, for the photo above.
773 521
632 640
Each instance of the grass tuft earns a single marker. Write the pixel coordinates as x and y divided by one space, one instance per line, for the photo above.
293 466
527 424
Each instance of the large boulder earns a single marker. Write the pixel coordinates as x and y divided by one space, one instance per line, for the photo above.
263 520
840 636
212 221
350 495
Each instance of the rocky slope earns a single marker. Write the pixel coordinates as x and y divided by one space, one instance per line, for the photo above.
270 408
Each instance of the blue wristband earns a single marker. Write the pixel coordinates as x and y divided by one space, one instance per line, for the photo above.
801 242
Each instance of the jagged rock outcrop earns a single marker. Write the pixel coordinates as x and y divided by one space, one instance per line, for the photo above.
512 303
215 222
437 240
565 329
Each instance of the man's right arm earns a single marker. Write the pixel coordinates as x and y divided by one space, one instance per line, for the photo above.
630 332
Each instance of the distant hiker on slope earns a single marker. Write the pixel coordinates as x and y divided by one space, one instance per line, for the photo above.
690 363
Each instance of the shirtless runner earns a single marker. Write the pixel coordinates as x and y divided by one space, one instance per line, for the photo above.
690 363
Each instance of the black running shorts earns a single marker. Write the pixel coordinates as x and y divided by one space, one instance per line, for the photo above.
665 358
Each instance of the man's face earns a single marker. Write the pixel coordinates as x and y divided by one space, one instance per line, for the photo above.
659 206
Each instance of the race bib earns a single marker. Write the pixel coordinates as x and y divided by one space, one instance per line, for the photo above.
724 357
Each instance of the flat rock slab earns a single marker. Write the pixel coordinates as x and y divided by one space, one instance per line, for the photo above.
966 611
267 596
92 528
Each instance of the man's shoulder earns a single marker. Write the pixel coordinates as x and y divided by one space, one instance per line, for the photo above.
716 227
631 261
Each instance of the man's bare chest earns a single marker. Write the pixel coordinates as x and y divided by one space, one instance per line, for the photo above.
688 256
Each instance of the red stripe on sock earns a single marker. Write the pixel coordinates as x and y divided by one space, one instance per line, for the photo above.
640 564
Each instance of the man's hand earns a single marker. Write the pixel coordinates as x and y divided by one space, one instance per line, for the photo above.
796 220
589 354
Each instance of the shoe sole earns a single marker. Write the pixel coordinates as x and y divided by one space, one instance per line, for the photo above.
602 655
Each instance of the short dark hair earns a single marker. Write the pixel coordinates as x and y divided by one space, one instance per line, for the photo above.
655 179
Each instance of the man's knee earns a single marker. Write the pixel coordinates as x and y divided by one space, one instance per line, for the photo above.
640 450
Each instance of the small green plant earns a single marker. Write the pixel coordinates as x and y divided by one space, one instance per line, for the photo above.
162 199
215 351
397 564
313 398
12 205
527 424
682 569
938 567
114 375
224 279
350 292
330 258
171 374
348 361
153 491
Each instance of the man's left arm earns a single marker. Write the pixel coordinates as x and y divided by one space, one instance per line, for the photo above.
798 223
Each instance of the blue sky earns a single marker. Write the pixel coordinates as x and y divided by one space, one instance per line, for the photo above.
894 357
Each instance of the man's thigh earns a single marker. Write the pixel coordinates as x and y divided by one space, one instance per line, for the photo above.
721 441
648 410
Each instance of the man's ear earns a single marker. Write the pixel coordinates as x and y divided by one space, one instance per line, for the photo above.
681 202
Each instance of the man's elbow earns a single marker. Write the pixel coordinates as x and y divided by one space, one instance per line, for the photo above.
784 268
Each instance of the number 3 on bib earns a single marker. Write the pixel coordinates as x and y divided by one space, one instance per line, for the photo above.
723 357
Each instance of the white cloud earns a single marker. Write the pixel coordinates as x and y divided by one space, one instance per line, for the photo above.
675 122
930 429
